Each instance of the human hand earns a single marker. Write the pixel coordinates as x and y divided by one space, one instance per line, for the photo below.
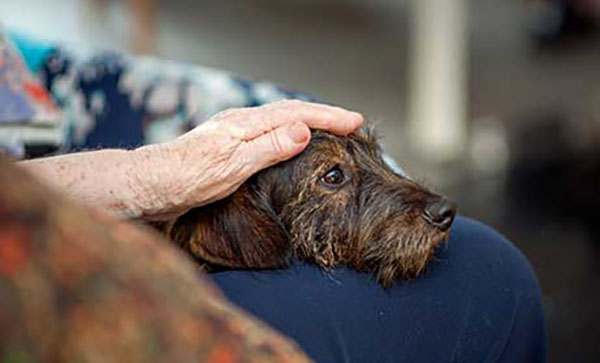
213 160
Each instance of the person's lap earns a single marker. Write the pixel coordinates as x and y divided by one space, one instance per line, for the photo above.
479 302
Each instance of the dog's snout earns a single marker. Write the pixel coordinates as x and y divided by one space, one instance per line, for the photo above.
440 212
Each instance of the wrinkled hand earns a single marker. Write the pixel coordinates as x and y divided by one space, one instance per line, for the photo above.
213 160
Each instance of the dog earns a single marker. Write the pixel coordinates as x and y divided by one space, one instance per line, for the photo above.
337 203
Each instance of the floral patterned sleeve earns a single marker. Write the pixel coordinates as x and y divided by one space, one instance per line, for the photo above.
78 286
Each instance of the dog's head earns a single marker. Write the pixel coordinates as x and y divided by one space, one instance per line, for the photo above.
337 203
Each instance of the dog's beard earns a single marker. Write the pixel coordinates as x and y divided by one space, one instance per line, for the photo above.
331 233
394 252
372 223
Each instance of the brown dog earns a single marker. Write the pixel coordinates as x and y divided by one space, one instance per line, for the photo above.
337 203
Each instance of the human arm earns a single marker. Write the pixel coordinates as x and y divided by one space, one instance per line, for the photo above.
208 163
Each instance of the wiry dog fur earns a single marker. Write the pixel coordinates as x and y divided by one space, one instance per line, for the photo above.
335 204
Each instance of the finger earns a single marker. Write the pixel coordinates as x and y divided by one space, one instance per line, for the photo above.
277 145
254 122
322 117
347 121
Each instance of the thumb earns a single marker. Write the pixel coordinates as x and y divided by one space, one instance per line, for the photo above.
277 145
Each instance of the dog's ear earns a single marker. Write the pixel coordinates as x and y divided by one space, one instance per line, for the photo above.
241 231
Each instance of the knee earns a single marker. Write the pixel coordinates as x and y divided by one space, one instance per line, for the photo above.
481 293
483 256
497 282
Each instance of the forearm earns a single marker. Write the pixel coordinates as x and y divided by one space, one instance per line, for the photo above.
158 182
111 180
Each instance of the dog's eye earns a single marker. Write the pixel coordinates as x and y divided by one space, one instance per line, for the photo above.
333 177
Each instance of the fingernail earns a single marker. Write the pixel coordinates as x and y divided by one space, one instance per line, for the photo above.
298 133
360 119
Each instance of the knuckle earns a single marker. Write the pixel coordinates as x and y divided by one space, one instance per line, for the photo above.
228 113
289 102
298 103
276 145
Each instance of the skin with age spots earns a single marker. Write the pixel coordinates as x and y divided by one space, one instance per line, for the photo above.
159 182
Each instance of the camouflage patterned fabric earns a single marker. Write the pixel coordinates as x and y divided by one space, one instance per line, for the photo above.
79 286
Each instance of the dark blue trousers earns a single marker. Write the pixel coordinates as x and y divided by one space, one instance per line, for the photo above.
480 302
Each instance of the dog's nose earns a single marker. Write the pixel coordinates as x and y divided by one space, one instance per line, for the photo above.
440 212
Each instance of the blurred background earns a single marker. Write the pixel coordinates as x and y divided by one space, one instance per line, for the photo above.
495 103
